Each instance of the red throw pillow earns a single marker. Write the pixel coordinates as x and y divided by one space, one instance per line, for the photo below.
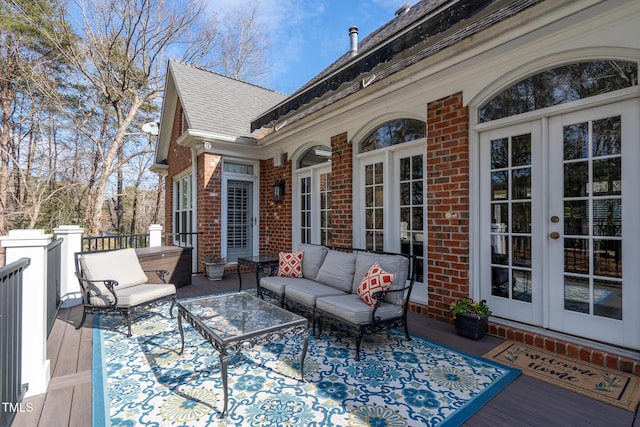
290 264
374 281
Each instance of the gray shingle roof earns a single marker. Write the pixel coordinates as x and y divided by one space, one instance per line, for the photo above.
429 27
218 104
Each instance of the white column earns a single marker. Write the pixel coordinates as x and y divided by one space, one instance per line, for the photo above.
70 293
155 235
32 244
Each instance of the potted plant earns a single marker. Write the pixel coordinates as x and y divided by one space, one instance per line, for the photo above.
471 317
214 267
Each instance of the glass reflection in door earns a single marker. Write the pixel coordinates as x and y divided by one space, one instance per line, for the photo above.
592 200
511 174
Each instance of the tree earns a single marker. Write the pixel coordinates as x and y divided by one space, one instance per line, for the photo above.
29 66
243 44
114 54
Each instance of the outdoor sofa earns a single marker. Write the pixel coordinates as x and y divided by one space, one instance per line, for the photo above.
113 282
344 287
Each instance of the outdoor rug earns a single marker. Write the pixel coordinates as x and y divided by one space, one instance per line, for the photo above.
598 382
143 380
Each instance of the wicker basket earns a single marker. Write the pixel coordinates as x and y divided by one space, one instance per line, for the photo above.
471 325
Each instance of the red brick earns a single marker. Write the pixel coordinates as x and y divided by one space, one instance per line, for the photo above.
597 357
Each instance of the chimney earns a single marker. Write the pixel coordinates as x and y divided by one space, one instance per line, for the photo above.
353 35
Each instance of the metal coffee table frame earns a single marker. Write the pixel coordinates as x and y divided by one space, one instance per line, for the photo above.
235 322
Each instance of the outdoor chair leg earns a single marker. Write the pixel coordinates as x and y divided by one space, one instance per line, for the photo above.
406 331
84 317
128 316
173 303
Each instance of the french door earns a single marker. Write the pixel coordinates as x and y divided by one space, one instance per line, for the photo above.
312 206
561 221
240 219
392 203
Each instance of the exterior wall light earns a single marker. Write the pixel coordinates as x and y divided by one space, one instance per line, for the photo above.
278 191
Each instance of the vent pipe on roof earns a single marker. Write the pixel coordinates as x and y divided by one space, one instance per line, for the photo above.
353 35
404 9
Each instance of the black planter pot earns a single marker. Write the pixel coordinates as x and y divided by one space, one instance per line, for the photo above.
471 325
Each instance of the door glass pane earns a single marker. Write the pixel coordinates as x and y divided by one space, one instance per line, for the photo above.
305 209
593 217
325 209
576 217
511 231
412 211
607 298
374 206
576 179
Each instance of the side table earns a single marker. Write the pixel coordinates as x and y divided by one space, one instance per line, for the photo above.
259 262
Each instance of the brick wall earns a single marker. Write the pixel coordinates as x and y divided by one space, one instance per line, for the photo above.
341 191
447 203
209 205
275 218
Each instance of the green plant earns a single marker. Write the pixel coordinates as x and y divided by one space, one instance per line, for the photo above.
469 306
215 260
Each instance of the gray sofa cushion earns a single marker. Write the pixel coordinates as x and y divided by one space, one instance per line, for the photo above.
307 293
277 284
353 309
396 264
337 270
312 259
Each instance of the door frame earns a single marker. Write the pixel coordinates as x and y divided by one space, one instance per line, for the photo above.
476 170
521 311
230 176
621 332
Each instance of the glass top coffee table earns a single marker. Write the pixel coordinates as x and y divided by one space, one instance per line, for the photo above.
238 321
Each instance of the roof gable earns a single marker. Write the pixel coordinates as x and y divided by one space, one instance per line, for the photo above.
217 104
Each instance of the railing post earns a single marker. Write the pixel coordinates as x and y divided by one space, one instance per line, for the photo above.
32 244
70 293
155 235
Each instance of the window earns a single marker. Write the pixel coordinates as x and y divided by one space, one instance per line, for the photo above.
394 132
183 210
315 155
560 85
312 210
391 198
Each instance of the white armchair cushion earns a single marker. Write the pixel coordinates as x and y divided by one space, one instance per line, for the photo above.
120 265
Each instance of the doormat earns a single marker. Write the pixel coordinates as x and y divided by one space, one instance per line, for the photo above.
598 382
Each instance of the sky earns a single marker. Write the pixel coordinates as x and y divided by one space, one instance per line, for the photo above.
309 35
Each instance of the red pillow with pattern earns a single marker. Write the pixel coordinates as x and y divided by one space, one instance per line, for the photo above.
290 264
375 280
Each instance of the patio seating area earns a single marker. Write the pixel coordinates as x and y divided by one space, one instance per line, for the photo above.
526 401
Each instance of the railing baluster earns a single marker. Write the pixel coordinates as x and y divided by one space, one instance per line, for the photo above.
11 388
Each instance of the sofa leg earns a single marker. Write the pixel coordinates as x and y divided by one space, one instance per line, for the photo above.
358 341
406 331
84 316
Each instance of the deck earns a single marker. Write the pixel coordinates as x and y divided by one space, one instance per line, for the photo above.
524 402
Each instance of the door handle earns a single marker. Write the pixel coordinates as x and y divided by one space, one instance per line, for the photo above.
554 235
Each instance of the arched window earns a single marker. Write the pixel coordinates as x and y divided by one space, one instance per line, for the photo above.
560 85
314 156
394 132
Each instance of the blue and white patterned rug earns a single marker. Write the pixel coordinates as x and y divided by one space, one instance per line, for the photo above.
143 380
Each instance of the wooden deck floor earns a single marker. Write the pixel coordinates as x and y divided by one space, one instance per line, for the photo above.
524 402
